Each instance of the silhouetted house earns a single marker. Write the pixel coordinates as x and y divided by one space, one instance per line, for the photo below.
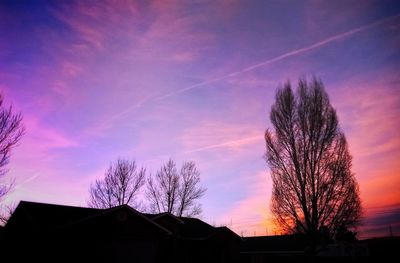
44 231
344 249
293 247
383 247
263 248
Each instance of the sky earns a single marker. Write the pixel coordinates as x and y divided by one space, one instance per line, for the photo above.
195 80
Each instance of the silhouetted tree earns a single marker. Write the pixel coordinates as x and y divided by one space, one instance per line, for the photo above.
120 185
11 131
6 212
173 192
314 190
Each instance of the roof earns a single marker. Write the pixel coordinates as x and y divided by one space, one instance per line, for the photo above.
166 214
32 216
104 212
40 216
46 216
188 227
227 230
195 228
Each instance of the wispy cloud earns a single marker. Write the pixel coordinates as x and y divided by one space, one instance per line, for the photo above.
28 180
45 138
91 80
381 221
284 56
372 129
229 144
213 135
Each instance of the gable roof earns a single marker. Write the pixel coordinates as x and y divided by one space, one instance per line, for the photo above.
226 230
195 228
105 212
40 216
166 214
32 216
45 216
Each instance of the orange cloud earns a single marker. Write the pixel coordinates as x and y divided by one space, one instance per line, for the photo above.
381 190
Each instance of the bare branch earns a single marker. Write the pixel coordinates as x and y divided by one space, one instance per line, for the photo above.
313 187
173 192
5 213
189 190
120 185
11 132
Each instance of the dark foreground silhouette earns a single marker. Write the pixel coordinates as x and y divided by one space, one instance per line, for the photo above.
41 232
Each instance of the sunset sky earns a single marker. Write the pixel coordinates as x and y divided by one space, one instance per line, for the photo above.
195 80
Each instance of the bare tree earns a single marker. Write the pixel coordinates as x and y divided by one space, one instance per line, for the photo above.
189 190
11 131
6 212
314 190
173 192
162 190
120 185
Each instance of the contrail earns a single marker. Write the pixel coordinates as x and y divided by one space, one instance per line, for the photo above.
283 56
225 144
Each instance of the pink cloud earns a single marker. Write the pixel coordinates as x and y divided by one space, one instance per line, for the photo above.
368 111
283 56
184 56
372 125
70 69
68 95
183 38
45 138
32 158
99 24
93 20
